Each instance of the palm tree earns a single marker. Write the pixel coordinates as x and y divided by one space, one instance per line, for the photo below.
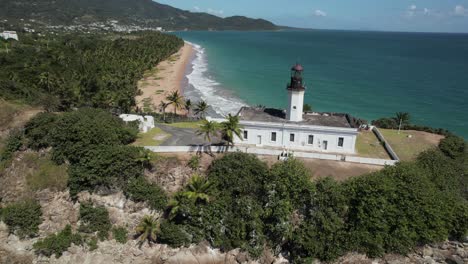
201 109
208 129
198 189
175 99
230 128
147 229
162 106
402 119
188 106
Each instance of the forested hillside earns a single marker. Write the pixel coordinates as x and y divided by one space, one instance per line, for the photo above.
64 71
136 12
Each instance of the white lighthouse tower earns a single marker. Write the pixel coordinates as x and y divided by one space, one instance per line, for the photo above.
296 90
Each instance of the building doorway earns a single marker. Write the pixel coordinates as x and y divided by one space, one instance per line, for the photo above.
325 145
259 140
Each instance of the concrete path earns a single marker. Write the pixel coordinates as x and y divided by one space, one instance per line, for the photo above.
184 137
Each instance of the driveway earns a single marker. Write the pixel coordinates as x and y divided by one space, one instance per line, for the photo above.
185 137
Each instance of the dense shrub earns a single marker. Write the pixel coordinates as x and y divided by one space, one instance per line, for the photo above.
105 166
13 143
238 174
95 219
447 174
386 123
396 209
140 190
23 218
120 234
322 233
57 243
75 133
453 146
173 235
39 129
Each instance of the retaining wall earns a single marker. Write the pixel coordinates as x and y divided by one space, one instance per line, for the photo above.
387 146
269 152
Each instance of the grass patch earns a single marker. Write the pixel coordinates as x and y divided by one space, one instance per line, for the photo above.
193 125
44 173
368 145
159 92
409 144
154 137
8 111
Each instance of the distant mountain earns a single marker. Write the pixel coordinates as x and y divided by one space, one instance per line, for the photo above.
143 13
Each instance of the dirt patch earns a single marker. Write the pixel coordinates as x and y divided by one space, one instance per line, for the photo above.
338 170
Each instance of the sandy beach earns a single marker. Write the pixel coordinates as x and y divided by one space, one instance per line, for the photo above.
164 79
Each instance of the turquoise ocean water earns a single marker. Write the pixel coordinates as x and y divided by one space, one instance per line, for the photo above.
366 74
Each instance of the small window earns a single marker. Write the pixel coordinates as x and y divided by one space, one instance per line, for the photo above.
340 142
291 137
294 107
310 141
273 136
246 134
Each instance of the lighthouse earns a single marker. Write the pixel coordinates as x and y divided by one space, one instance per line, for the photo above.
296 90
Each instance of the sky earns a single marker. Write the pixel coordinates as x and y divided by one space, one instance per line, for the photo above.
382 15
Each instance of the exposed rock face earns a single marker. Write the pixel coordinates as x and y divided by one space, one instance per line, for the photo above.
170 174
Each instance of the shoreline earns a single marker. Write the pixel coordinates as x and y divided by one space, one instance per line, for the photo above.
166 77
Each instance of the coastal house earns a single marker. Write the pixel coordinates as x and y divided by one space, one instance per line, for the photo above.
145 123
9 35
292 129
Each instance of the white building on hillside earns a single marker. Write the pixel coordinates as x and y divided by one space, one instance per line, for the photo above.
293 129
9 35
145 123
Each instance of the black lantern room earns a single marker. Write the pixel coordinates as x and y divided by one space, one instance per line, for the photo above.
296 83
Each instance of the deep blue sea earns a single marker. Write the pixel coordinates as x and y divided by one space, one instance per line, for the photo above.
366 74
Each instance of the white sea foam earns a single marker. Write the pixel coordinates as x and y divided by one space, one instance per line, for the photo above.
209 89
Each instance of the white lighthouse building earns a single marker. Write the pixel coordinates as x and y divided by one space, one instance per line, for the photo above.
293 129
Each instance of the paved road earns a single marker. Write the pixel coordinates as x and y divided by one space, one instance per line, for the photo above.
184 137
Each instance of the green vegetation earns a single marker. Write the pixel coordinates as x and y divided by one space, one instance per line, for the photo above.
176 100
95 219
368 145
57 243
193 125
154 137
453 146
13 143
405 120
201 108
249 206
45 174
208 129
194 162
66 71
120 234
137 12
173 235
140 190
408 144
23 218
147 229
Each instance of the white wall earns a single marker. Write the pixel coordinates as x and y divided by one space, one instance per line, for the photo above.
301 135
296 99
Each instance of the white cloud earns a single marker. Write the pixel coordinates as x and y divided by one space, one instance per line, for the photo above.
320 13
215 12
196 8
427 11
412 7
460 10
